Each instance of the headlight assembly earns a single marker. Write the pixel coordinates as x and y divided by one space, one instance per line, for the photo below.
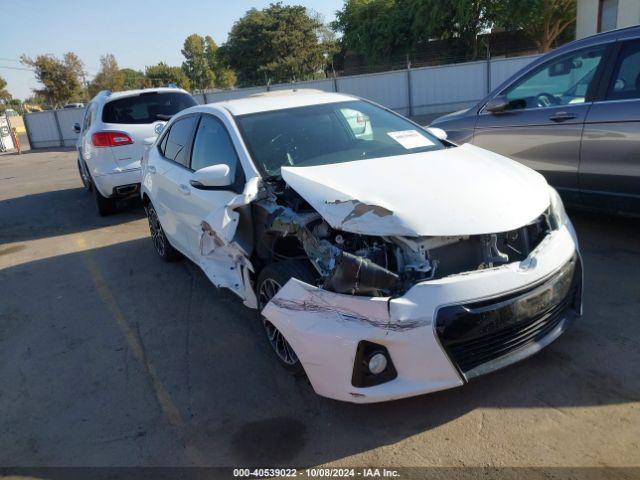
558 215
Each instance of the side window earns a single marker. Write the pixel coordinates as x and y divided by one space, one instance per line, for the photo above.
88 116
562 81
359 123
625 83
176 143
213 146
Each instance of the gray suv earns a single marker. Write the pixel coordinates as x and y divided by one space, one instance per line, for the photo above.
573 115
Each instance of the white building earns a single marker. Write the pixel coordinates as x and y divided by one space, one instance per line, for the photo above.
596 16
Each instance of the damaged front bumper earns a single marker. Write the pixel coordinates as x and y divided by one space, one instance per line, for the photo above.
441 332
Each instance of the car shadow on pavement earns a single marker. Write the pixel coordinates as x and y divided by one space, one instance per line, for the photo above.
112 357
58 212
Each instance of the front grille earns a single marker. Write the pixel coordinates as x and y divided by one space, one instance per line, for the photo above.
484 336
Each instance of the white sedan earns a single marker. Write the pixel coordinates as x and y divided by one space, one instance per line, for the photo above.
385 261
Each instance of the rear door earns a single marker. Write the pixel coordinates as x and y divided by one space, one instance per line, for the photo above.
542 126
610 165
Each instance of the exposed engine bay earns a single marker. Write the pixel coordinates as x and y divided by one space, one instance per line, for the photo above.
287 227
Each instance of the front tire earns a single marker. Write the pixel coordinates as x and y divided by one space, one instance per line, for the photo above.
271 279
160 241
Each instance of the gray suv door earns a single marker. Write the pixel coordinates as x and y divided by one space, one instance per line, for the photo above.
542 123
610 155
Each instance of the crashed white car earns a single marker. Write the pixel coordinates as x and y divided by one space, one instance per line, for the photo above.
385 261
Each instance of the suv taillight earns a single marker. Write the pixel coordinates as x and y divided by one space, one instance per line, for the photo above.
110 139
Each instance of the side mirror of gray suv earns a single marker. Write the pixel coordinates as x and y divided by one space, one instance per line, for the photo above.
76 128
497 104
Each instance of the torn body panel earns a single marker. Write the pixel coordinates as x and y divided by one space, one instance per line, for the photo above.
457 191
324 328
224 250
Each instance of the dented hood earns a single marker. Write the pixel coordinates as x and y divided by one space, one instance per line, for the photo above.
457 191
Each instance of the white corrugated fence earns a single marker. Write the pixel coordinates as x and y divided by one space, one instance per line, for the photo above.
412 92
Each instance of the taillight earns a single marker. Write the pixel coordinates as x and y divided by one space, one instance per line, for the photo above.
110 139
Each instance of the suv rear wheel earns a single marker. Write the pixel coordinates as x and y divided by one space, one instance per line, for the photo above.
271 279
106 206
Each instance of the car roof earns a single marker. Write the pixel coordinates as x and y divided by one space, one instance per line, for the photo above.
281 99
107 95
610 36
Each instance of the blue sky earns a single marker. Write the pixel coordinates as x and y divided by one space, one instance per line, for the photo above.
138 33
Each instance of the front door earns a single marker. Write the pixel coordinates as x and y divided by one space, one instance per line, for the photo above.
610 163
542 125
170 172
211 146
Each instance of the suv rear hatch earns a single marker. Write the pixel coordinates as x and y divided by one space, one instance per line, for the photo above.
140 116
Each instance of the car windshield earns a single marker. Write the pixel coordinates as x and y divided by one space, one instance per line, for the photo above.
148 107
329 133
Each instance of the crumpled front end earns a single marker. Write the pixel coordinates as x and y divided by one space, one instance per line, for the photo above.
520 306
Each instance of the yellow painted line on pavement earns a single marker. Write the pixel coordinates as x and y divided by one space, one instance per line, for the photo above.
169 409
26 251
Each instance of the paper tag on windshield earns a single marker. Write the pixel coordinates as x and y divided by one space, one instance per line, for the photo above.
410 139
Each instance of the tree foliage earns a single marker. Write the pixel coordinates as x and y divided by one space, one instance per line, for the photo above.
60 78
133 79
279 43
109 77
161 75
381 29
196 66
203 65
224 76
5 96
378 29
545 20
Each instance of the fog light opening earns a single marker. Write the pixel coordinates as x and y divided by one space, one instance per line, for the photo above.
377 363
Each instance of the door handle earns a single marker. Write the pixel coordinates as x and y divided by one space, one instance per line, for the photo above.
562 117
184 189
151 169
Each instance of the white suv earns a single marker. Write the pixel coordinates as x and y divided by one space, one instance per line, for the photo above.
112 139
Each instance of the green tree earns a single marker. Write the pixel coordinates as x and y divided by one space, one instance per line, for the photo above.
279 43
225 77
196 65
381 29
161 75
109 77
133 79
5 96
378 29
545 20
60 79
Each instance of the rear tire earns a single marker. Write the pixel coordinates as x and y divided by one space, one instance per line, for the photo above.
271 279
160 241
106 206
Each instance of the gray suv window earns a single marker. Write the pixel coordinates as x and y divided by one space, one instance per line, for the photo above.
562 81
625 83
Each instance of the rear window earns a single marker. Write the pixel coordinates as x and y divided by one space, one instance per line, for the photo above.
146 107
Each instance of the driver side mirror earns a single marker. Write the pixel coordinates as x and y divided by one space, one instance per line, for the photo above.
497 104
76 128
212 176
